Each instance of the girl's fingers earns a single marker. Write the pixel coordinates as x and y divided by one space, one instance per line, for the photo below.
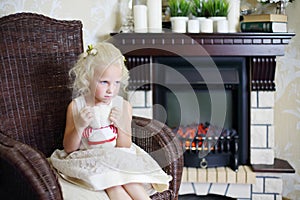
86 112
86 115
114 116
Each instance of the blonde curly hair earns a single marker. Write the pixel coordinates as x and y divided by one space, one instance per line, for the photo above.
104 54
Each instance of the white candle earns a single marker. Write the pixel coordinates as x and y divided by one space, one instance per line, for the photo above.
233 15
154 16
140 18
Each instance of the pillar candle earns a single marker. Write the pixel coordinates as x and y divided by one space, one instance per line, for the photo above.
154 16
140 18
234 15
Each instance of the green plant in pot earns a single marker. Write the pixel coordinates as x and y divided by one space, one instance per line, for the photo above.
179 12
179 8
217 11
215 8
197 8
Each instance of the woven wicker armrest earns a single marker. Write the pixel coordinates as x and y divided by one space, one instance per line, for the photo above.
22 166
161 143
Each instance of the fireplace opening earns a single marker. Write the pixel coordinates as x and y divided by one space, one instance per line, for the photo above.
206 104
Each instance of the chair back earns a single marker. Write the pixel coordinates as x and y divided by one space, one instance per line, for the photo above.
36 53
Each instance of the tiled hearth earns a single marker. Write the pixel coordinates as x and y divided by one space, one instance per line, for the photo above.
224 181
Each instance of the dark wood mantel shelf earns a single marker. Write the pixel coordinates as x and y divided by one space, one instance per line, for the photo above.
259 49
215 44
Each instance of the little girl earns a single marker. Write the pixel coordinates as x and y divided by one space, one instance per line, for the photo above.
98 151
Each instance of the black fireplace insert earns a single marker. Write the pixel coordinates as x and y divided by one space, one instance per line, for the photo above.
205 101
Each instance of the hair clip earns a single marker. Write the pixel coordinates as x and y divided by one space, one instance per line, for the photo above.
90 51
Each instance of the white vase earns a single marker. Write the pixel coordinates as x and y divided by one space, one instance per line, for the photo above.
215 22
234 16
193 26
200 19
222 26
206 25
179 24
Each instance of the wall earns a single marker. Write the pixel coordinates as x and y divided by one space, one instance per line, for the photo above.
98 17
287 105
103 16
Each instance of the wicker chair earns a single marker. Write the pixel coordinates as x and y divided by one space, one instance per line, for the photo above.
36 53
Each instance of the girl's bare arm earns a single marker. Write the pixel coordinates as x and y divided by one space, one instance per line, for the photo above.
75 126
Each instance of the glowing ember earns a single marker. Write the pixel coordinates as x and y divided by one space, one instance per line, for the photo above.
204 137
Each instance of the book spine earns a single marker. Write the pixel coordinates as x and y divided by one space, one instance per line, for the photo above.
265 27
265 18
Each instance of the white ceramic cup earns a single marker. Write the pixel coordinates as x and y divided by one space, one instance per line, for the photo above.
179 24
200 19
206 25
193 26
222 26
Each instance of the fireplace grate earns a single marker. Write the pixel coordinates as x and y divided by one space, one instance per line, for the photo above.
205 146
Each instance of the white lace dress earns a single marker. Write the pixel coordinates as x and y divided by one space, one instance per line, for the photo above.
97 167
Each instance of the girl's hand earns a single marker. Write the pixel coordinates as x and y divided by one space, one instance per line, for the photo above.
115 117
121 118
77 121
84 118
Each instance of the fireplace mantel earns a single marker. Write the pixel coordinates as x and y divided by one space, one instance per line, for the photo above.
260 49
216 44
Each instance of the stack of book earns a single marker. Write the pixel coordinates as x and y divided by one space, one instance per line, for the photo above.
266 23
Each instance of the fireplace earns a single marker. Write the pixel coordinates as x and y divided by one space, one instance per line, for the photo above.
258 51
206 102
